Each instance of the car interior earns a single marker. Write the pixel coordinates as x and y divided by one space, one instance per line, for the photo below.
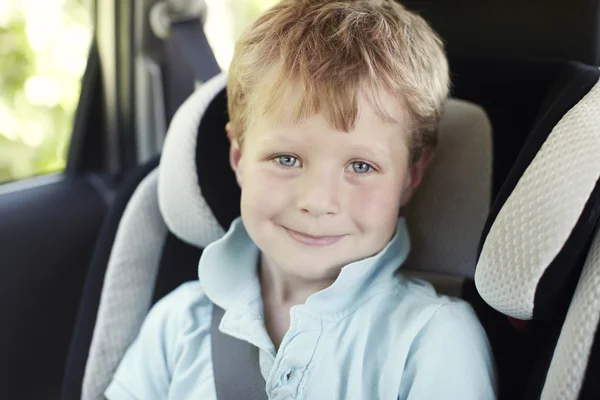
506 219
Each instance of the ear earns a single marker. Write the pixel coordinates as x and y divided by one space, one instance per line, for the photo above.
416 174
235 155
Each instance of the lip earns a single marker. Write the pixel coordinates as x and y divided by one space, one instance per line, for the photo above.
311 240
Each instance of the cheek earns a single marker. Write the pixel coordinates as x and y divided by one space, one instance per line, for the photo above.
263 194
377 203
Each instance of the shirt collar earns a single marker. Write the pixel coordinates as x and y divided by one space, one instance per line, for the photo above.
228 271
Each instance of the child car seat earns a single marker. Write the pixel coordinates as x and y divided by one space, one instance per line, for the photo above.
198 198
193 197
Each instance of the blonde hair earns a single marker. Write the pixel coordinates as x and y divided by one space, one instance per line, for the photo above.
336 51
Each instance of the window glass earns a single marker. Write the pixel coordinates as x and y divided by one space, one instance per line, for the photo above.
44 46
226 20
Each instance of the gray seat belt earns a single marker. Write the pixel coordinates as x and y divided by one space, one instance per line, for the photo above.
235 365
189 60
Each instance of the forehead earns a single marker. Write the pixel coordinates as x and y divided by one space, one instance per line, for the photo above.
325 95
372 110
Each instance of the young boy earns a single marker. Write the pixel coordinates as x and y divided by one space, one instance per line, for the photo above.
333 111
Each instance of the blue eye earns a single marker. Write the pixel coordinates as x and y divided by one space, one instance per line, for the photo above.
287 160
360 167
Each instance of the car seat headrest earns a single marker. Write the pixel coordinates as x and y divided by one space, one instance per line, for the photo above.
181 197
541 224
448 211
199 196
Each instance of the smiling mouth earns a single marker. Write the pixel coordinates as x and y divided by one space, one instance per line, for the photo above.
312 240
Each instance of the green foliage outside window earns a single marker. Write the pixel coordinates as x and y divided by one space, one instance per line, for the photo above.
43 51
44 46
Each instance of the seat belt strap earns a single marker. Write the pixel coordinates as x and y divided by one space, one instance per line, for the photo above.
235 365
189 60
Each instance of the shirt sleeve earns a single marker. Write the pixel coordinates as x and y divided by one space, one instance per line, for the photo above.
144 372
450 358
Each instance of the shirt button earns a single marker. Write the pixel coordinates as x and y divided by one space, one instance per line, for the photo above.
287 376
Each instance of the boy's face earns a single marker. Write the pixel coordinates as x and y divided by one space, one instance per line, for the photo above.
315 199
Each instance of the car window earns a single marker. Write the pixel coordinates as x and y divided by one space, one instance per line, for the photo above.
44 46
225 22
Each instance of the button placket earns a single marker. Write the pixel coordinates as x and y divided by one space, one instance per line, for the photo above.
294 355
283 370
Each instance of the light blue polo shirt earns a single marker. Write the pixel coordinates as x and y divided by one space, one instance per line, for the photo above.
372 335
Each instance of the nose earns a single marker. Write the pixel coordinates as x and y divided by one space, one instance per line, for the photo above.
319 194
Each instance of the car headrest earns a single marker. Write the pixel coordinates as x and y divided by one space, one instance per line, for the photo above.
199 196
541 224
448 211
561 29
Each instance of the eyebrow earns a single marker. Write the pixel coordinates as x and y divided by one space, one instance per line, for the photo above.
370 151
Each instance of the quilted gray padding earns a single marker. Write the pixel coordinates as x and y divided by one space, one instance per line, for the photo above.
542 210
574 345
128 285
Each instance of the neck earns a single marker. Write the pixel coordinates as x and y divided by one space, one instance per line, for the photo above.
283 289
